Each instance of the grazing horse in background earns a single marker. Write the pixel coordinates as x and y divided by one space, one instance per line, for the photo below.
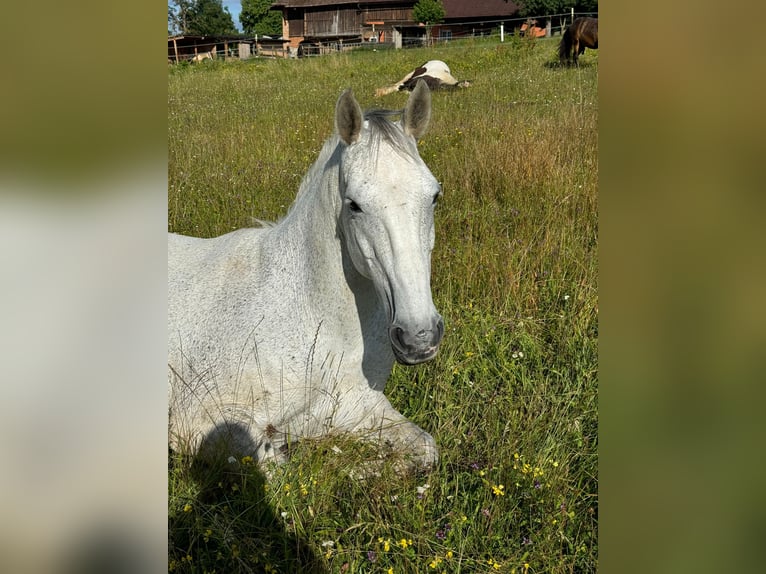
581 34
435 73
202 57
291 330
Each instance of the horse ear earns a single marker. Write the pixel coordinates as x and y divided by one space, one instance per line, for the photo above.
348 117
417 112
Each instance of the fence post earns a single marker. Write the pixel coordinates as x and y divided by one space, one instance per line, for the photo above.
502 35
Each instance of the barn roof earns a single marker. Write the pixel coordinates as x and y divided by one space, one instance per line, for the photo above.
462 9
319 3
466 9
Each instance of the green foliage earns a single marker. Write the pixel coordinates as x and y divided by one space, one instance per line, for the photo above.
512 396
206 17
178 13
550 7
428 11
257 17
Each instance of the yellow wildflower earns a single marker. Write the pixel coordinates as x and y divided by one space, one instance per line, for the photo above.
188 508
449 554
498 490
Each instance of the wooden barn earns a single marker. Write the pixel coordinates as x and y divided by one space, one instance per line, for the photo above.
466 17
322 21
308 23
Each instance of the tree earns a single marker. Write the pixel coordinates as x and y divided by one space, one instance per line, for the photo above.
541 8
549 7
428 11
178 15
258 18
208 18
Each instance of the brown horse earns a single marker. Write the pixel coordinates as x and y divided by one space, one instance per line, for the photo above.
583 33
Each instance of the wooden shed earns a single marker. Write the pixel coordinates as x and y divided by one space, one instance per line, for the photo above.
184 48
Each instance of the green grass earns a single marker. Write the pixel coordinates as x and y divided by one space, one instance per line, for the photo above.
511 399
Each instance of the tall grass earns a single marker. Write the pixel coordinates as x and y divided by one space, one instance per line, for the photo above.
511 399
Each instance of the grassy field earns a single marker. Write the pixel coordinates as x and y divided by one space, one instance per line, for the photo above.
511 399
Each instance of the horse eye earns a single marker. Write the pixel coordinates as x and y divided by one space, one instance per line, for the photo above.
354 206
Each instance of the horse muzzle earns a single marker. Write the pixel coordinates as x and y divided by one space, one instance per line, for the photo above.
416 346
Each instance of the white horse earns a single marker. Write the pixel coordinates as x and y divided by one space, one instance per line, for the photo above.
292 330
202 57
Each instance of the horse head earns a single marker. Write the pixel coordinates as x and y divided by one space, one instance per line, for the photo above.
387 216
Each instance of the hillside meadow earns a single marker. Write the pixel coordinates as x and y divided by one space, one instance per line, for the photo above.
511 398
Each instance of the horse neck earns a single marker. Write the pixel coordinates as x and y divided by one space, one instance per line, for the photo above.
309 232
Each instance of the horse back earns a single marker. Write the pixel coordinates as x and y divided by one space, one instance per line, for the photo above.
198 266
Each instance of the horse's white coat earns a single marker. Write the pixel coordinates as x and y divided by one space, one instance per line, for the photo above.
292 330
202 57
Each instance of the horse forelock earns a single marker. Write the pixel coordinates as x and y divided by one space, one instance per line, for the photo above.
382 129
